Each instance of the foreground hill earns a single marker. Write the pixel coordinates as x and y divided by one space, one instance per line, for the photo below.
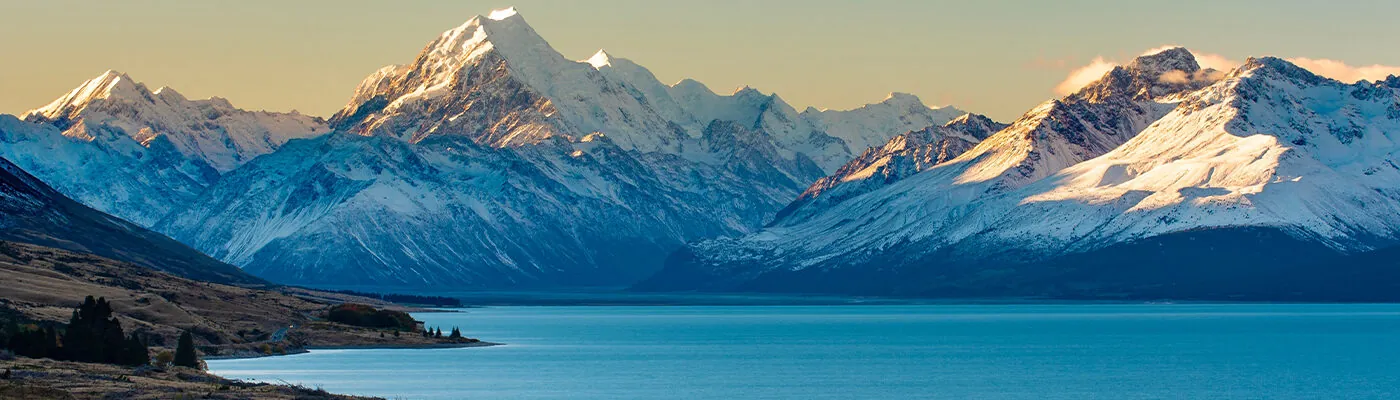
42 379
44 284
1159 180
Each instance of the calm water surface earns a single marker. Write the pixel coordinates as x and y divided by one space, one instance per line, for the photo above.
878 352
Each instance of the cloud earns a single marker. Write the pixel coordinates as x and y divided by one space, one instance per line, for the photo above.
1082 76
1179 77
1341 71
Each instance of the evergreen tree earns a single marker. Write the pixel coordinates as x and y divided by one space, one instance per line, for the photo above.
33 342
456 333
438 334
136 352
94 335
184 351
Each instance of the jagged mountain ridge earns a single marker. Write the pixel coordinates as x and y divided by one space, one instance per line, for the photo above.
139 154
211 130
900 157
499 82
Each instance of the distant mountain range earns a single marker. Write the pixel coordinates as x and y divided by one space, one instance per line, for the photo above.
492 161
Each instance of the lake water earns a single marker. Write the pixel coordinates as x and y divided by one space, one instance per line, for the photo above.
1078 351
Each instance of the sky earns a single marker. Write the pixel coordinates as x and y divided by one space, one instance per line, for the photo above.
998 58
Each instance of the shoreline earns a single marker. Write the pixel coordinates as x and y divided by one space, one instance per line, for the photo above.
308 349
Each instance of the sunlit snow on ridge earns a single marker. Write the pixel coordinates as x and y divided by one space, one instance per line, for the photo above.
501 14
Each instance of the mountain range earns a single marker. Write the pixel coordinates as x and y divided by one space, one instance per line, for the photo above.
1160 179
490 160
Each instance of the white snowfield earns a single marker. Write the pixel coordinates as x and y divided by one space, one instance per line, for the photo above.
1138 154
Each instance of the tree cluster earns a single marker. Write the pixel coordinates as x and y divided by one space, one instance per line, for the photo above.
92 335
437 333
408 298
369 317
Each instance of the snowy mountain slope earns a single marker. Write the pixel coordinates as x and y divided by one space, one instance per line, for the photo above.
1050 137
866 127
32 212
122 149
110 172
1272 145
1005 194
900 157
480 78
345 209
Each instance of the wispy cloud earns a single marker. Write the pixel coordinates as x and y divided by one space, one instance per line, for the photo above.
1083 76
1341 71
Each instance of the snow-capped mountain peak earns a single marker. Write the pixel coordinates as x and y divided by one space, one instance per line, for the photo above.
899 99
210 130
600 59
873 124
109 84
1172 59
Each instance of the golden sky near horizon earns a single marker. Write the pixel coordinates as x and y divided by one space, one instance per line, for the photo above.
994 57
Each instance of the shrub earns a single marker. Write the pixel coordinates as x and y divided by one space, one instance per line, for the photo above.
165 358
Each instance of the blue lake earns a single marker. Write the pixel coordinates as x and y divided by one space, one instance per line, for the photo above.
1079 351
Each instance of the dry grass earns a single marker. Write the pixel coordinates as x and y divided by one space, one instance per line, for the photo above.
48 379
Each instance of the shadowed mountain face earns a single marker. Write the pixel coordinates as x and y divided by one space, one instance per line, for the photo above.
1244 264
32 212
